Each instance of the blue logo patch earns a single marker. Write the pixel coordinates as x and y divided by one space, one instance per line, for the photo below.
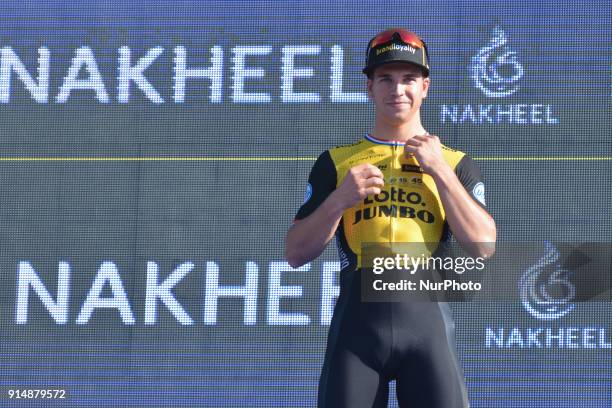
308 193
478 193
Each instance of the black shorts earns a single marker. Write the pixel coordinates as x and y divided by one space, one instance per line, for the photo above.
372 343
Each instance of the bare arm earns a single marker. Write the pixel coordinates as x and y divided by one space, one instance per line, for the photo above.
308 237
472 225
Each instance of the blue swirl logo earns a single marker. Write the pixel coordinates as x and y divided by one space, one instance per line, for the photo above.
495 69
308 193
546 276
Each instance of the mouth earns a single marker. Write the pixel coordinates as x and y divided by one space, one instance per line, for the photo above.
398 103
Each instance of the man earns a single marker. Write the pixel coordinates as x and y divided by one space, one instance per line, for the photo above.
427 191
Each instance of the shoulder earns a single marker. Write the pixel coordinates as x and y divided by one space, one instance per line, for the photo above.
324 164
342 152
333 160
362 151
454 157
463 165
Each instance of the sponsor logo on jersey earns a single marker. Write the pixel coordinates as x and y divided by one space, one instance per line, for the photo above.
368 158
412 209
308 193
411 168
479 193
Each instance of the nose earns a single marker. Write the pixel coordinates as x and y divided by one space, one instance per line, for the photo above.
398 88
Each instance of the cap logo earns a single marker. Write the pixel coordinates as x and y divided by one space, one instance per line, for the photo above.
394 46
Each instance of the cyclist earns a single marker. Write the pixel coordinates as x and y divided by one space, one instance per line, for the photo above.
397 184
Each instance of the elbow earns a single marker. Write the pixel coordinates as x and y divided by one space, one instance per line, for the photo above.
481 250
482 243
484 250
293 260
486 247
296 248
292 256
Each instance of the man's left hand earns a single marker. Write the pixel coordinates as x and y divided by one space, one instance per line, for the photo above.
428 152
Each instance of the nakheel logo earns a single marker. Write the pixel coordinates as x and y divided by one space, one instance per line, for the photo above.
497 72
495 69
547 294
545 290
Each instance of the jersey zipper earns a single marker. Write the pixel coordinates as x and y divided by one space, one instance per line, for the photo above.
394 175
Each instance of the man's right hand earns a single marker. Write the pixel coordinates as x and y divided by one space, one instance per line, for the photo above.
307 238
360 181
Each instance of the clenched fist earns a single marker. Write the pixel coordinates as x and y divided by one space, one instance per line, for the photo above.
428 152
360 181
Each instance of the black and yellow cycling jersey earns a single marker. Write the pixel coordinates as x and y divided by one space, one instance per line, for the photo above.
372 343
408 209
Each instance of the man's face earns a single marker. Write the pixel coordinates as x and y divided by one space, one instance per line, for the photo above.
397 90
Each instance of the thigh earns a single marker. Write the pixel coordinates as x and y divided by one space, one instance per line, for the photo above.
431 379
347 381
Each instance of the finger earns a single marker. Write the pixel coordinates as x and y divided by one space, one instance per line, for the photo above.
374 182
361 167
421 138
363 170
411 148
371 171
428 138
372 191
381 178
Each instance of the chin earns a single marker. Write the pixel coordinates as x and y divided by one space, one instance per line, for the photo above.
398 118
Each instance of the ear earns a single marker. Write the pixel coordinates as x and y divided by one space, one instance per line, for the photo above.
426 83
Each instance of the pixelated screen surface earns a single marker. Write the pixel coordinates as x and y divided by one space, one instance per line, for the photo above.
154 154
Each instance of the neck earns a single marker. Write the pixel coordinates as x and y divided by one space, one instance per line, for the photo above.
402 132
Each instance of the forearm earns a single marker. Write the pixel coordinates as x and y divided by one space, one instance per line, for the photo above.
471 225
308 237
